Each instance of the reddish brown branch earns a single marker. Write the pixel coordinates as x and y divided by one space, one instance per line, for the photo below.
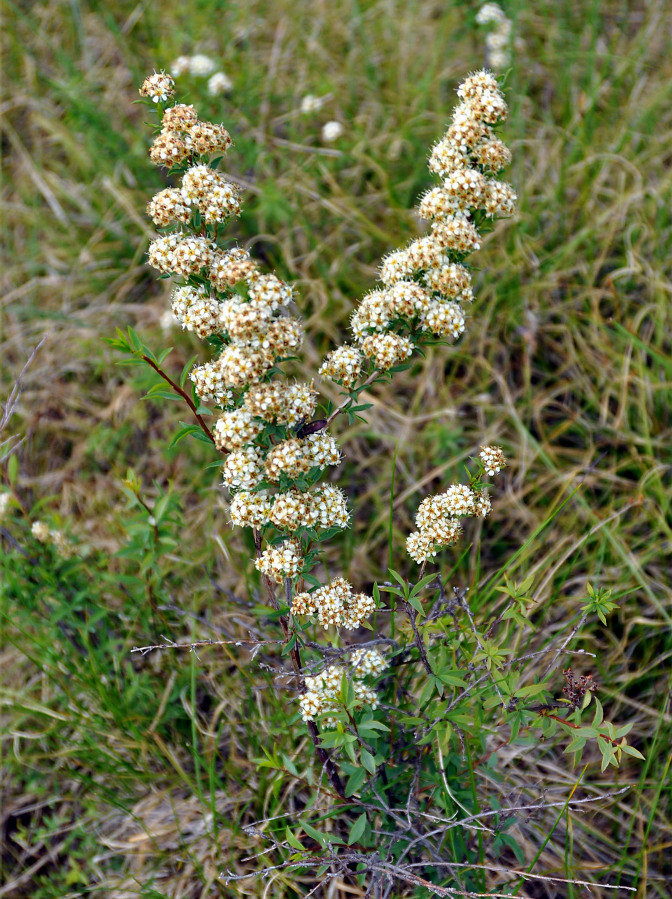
185 396
579 726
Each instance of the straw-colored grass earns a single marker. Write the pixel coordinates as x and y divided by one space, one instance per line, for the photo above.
128 776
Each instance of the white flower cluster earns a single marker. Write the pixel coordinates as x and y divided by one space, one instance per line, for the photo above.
310 103
498 38
334 604
331 131
280 562
196 310
5 503
295 457
159 87
322 691
343 365
438 517
201 66
425 283
202 189
492 458
322 507
64 546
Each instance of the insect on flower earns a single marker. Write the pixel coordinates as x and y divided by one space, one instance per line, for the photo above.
311 427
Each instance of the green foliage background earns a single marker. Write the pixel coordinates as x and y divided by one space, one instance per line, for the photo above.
128 775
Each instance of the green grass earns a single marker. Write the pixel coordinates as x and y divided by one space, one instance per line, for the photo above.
126 774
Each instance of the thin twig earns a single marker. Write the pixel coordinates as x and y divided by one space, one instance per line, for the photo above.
412 615
171 645
183 393
341 407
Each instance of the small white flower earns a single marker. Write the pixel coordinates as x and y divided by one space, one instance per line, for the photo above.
331 131
201 65
219 83
181 65
311 103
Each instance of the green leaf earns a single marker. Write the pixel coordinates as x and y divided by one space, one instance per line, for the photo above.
427 692
12 469
576 745
160 391
334 739
607 758
161 506
400 580
314 834
417 605
202 437
293 840
163 354
599 714
635 753
184 432
372 726
427 579
357 829
531 689
453 678
368 760
134 341
625 729
289 765
186 370
389 589
355 781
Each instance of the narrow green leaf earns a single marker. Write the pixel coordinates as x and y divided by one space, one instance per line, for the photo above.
186 370
164 354
635 753
314 834
368 760
357 829
289 765
531 689
184 432
293 840
399 579
373 725
417 605
599 714
355 781
427 579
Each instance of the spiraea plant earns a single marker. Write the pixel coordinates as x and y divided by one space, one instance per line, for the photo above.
407 719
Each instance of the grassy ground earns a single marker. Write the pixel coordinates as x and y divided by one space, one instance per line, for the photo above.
129 776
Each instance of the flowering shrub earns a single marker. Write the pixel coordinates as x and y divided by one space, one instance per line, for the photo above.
398 720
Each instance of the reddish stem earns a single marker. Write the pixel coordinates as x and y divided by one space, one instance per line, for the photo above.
185 396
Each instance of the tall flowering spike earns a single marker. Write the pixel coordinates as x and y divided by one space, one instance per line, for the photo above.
424 283
271 466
